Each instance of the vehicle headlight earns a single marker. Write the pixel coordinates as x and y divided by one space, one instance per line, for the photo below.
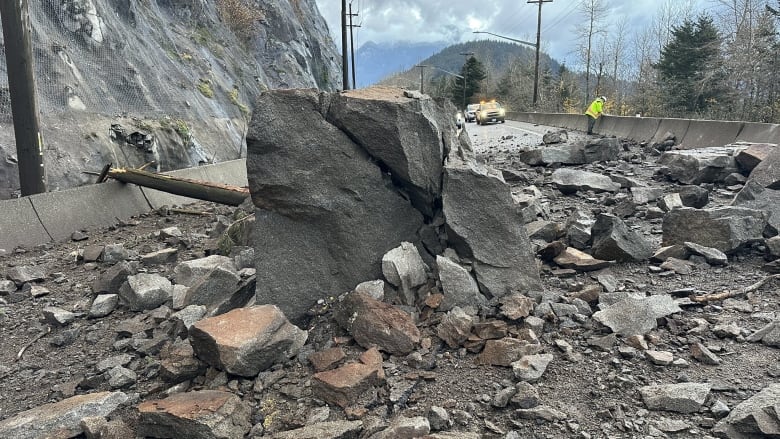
483 114
501 112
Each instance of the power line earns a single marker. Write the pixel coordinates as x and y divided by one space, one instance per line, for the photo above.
560 18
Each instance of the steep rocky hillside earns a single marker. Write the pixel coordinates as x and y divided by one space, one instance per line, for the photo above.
184 71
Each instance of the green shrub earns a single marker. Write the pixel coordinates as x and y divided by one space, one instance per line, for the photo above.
204 86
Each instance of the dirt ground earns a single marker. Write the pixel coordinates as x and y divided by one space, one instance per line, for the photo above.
597 392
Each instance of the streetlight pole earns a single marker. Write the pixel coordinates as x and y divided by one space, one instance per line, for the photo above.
423 66
465 74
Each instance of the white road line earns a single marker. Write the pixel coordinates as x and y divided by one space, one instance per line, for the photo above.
521 129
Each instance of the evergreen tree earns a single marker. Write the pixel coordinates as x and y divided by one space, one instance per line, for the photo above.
691 73
473 72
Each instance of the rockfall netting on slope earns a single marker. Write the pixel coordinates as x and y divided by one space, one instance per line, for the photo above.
173 69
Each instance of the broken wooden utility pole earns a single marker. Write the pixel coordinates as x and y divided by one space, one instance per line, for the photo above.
17 35
202 190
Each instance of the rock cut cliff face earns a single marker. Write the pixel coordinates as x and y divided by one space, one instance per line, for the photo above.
183 71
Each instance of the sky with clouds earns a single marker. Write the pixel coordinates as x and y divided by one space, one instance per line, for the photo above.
454 21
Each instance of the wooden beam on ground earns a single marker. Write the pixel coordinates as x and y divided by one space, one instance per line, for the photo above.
201 190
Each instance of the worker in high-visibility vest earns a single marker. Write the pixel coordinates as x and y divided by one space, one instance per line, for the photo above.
595 111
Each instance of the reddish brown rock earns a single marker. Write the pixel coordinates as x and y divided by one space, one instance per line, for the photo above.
492 329
324 360
516 306
579 260
199 414
375 323
506 351
345 385
455 327
246 341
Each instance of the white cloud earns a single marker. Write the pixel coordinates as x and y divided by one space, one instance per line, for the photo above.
454 21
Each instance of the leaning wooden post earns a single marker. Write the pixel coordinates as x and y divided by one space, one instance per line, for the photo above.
17 35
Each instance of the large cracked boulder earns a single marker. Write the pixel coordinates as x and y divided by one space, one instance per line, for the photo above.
482 226
411 147
341 179
327 213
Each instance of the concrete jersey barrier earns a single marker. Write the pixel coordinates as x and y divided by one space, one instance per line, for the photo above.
54 216
689 133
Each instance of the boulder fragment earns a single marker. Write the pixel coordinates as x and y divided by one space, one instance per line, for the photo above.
755 153
246 341
145 291
560 136
375 323
694 196
767 173
345 385
769 334
64 416
324 430
482 225
753 196
459 287
681 398
726 228
569 181
455 327
404 268
530 368
614 241
203 414
644 195
22 274
578 260
702 165
755 417
636 316
713 256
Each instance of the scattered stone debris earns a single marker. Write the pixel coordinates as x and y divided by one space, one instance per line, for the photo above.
444 325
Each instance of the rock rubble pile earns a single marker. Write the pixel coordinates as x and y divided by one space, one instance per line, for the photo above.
399 287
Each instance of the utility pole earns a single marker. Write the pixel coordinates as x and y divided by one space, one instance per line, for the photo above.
352 44
422 68
465 74
538 45
344 61
17 35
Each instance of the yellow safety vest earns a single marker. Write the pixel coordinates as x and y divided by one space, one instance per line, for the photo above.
595 108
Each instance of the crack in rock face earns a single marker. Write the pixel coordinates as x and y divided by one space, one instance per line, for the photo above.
341 179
